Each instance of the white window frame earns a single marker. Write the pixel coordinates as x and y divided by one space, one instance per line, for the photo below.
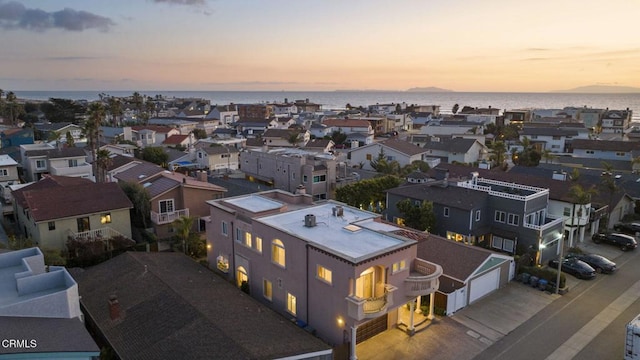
4 172
513 219
167 202
446 211
224 229
478 215
500 216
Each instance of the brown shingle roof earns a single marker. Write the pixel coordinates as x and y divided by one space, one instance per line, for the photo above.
140 173
346 123
45 203
605 145
49 181
173 308
156 128
404 147
175 139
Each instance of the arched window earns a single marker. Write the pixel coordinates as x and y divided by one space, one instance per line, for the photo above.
241 276
278 252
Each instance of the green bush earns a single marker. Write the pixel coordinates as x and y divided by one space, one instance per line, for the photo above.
551 275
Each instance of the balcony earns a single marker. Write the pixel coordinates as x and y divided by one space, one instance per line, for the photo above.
82 169
549 222
168 217
423 279
370 308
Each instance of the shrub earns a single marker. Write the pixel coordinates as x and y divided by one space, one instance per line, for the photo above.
551 275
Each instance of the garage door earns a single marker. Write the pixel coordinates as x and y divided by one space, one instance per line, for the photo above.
484 284
371 328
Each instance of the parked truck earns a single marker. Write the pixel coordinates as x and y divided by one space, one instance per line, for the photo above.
632 342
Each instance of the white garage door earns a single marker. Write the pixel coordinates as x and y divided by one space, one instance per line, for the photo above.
484 284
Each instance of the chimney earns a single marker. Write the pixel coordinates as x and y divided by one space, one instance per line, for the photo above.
114 307
202 176
301 190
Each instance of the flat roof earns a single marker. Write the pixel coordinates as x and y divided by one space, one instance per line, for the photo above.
254 203
351 236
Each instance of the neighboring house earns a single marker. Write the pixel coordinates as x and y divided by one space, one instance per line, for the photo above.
253 127
289 169
185 141
8 177
40 306
184 126
320 145
42 159
351 127
159 306
605 149
590 117
217 158
469 273
152 135
285 108
517 116
120 149
252 111
61 128
392 150
616 121
173 195
90 210
493 214
451 127
113 135
552 139
282 137
329 266
320 130
227 114
16 137
454 149
306 106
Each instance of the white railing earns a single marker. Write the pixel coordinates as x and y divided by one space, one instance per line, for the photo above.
81 169
512 185
545 226
169 217
538 191
97 234
423 279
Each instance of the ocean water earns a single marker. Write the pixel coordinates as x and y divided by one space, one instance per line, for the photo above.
339 99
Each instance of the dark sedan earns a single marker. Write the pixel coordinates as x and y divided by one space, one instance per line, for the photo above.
600 263
575 267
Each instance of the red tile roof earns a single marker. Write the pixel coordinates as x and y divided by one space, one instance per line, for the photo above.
175 139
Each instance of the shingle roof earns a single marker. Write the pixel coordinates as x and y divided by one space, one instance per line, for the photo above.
346 123
605 145
57 153
139 173
52 335
458 260
215 150
318 143
156 128
456 145
175 139
45 202
452 196
279 133
547 131
404 147
173 308
120 160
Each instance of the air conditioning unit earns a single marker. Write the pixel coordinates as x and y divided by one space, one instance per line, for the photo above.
309 220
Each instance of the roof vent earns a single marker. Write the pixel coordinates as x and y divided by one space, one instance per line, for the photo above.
309 220
338 210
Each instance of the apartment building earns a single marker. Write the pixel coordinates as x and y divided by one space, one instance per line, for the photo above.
338 271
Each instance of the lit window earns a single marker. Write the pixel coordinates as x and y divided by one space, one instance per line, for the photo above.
399 266
258 242
247 239
278 252
267 289
398 221
369 157
222 263
105 218
291 304
324 274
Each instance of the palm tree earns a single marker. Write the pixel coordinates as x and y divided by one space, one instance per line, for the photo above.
548 155
13 108
183 226
103 162
92 130
608 183
497 152
455 108
150 107
115 109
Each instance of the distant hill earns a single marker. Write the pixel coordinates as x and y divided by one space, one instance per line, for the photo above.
602 89
429 89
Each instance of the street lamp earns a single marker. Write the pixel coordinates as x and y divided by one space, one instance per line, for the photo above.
560 256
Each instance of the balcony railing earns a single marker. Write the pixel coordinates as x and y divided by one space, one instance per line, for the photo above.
369 308
169 217
97 234
423 279
81 169
553 221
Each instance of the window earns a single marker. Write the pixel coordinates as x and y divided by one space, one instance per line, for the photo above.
166 206
590 152
399 266
369 157
52 225
555 146
500 216
304 178
446 212
507 245
324 274
496 242
620 154
4 172
291 303
477 215
267 289
513 219
105 218
73 162
247 239
258 243
566 211
278 253
83 224
238 234
225 230
398 221
555 137
319 178
41 164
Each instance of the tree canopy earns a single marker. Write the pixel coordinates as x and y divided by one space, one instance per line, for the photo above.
420 217
368 194
156 155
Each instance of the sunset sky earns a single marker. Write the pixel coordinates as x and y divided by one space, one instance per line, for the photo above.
462 45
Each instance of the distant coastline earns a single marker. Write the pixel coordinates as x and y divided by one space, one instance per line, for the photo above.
429 89
601 89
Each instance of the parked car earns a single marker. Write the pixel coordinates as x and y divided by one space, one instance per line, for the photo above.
600 263
624 242
627 228
575 267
